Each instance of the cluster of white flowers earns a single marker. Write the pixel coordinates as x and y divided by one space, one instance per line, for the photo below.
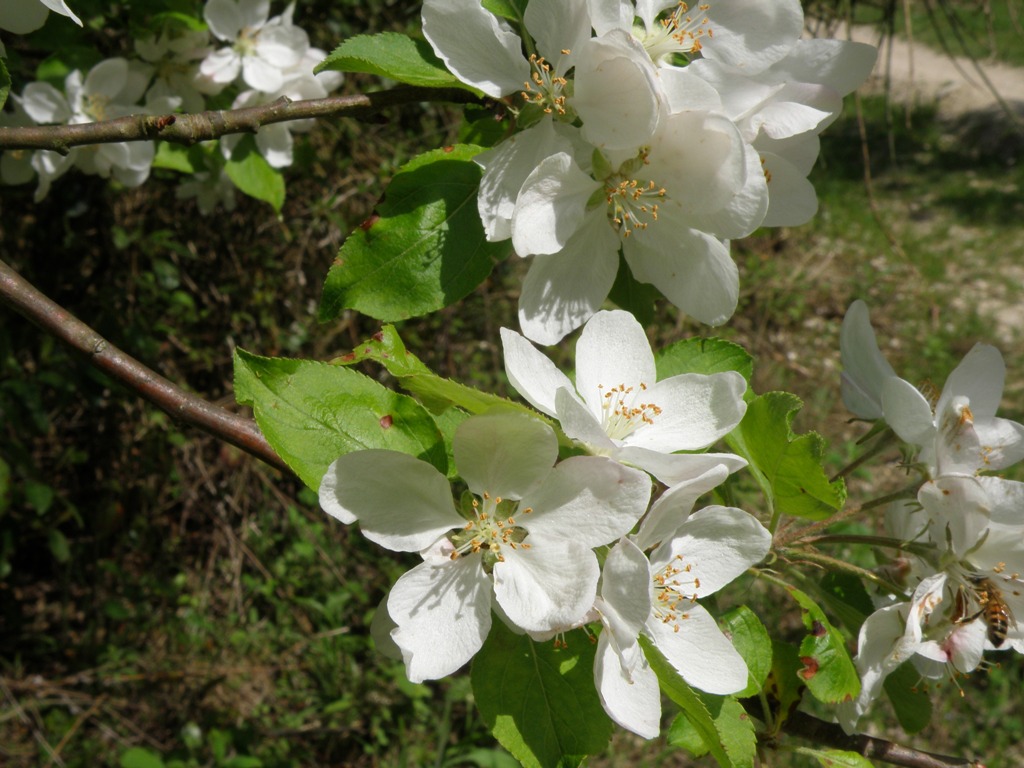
967 574
524 546
262 58
679 129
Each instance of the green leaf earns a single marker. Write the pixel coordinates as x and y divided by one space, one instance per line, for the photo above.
788 467
139 757
630 294
392 55
254 176
911 703
784 687
5 486
59 547
436 393
175 157
484 758
721 723
39 495
513 10
836 758
827 669
539 700
5 83
751 639
311 413
424 249
705 356
847 599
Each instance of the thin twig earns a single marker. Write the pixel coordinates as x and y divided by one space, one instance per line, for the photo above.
826 734
183 406
190 129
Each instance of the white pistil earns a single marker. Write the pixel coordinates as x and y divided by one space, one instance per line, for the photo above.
621 414
673 587
491 528
545 89
681 32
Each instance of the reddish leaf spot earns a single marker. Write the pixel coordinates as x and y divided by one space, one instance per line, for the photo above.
386 422
449 149
379 336
818 629
365 226
810 667
349 357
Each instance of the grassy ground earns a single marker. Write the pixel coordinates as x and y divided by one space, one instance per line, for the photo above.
159 591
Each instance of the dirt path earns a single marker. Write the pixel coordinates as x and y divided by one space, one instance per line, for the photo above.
924 75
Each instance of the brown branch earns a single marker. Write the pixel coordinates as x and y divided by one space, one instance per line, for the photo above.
183 406
831 735
189 129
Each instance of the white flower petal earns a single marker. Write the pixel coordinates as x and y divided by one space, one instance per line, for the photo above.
551 206
864 367
699 651
625 594
443 613
616 92
475 45
716 545
591 500
907 411
578 422
45 104
275 144
792 200
673 507
22 16
556 26
674 468
402 503
695 411
979 377
59 6
503 453
532 374
634 702
223 18
221 66
562 291
752 35
549 586
612 351
692 269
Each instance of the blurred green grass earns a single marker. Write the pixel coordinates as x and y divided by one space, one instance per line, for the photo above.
167 594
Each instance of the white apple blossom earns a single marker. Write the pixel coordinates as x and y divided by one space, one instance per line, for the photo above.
111 89
24 16
708 549
865 368
748 36
275 141
618 408
526 543
260 49
671 206
175 59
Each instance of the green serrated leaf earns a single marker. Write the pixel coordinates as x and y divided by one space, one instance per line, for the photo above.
387 349
827 669
786 466
705 356
139 757
751 639
701 710
836 758
911 703
254 176
539 700
424 250
392 55
311 413
630 294
484 758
